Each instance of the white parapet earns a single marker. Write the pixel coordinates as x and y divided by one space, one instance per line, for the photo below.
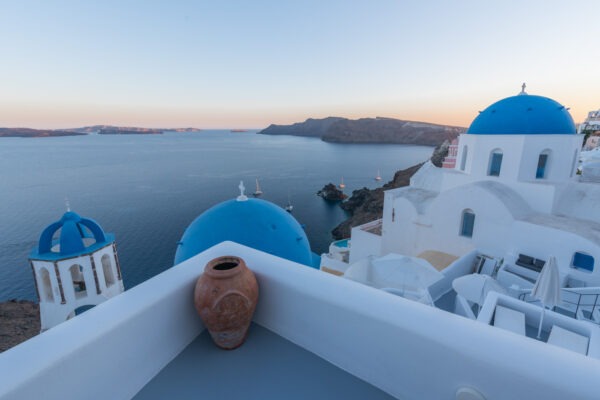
405 348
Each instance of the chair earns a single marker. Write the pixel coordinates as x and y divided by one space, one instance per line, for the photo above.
510 320
568 340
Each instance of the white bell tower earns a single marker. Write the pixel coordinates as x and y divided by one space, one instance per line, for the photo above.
75 266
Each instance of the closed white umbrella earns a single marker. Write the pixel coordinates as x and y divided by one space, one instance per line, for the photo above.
547 288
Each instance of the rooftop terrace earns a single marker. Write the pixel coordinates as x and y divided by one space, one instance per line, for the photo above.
267 366
315 334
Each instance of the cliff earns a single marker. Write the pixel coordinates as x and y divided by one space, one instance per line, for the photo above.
368 130
19 321
311 127
27 132
367 205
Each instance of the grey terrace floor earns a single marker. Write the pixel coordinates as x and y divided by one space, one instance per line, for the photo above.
267 366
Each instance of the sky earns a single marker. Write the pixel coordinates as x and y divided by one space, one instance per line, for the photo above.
247 64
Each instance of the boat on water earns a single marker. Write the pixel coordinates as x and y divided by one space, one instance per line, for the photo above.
238 130
289 207
378 177
257 192
342 184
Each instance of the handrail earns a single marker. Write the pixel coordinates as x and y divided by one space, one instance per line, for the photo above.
593 292
581 301
584 290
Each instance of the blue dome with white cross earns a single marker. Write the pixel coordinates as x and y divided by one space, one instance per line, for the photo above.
255 223
524 114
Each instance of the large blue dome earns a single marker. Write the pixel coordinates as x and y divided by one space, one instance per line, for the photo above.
77 236
524 115
252 222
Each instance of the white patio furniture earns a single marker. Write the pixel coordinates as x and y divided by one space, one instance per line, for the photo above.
568 340
509 319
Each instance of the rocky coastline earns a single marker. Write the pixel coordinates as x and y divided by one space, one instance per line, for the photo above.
330 192
366 205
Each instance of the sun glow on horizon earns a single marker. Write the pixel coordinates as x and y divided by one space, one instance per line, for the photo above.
218 66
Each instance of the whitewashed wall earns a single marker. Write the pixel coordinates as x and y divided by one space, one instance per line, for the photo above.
405 348
541 242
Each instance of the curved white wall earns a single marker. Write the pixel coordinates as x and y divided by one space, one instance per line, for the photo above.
407 349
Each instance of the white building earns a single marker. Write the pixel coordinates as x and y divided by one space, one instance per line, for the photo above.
513 189
75 266
512 195
591 123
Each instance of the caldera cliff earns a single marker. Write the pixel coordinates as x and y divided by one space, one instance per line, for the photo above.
368 130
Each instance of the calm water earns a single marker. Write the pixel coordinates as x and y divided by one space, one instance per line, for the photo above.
147 189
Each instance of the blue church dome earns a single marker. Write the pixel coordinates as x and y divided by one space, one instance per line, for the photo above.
252 222
77 236
524 115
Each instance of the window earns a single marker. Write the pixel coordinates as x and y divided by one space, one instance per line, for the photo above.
541 171
46 286
109 276
467 223
78 281
463 161
495 163
583 261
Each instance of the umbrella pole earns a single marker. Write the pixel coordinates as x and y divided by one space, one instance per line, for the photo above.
541 321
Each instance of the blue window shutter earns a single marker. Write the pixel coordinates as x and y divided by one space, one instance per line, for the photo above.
468 222
583 261
495 164
540 173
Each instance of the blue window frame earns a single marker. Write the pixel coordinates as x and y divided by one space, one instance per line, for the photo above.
540 173
468 222
495 164
583 261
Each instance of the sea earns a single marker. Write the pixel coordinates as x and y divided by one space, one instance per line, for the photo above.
146 189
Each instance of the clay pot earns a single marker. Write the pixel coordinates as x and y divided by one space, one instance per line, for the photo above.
225 298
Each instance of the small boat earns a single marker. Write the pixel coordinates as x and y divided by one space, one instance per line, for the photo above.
378 177
289 207
257 192
342 185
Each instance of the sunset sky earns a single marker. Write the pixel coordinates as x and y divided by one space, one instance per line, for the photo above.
234 64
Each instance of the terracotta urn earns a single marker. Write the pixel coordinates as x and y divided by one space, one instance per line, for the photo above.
225 298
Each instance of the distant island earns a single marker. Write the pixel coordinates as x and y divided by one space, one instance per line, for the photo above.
29 133
99 129
127 130
368 130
